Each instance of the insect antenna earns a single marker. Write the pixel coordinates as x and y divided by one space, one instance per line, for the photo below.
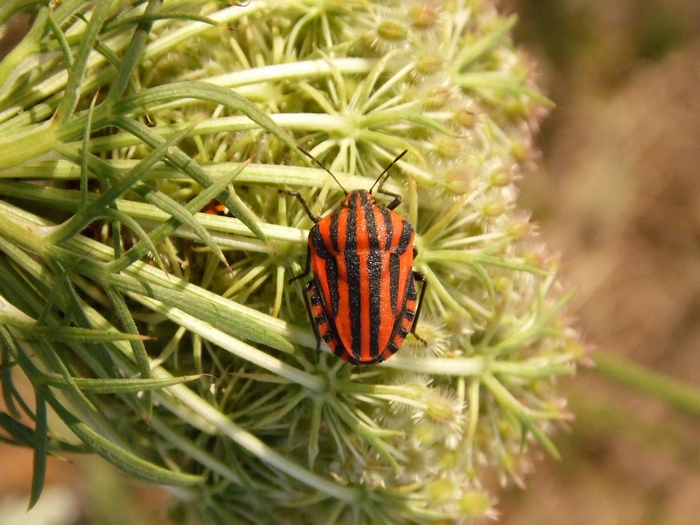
386 170
327 170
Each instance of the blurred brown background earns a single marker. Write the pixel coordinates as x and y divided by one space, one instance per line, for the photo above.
617 192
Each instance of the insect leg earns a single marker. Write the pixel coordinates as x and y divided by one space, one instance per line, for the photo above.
308 288
307 268
417 276
397 198
303 202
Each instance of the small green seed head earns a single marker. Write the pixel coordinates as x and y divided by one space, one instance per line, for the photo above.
392 30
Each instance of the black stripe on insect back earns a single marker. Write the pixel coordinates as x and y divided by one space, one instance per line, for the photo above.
326 324
374 270
394 272
394 262
334 230
317 241
411 294
352 264
332 278
389 226
331 266
405 239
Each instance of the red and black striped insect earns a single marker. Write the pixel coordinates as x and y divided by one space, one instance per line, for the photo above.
363 299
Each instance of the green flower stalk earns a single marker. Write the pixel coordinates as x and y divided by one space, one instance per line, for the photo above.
165 333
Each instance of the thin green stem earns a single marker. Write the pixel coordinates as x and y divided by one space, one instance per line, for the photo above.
233 345
18 148
674 392
131 55
9 65
462 366
80 64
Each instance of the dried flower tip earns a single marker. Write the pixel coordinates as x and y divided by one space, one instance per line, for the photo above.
458 180
447 147
499 178
536 257
519 229
512 467
429 62
579 351
423 16
437 97
465 117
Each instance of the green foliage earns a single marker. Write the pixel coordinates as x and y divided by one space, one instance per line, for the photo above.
122 121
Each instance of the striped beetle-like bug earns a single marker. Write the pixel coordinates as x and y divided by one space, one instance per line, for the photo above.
363 299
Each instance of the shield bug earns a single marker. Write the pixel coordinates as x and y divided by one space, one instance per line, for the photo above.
362 298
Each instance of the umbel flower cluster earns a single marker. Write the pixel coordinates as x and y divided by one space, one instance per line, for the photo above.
145 147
